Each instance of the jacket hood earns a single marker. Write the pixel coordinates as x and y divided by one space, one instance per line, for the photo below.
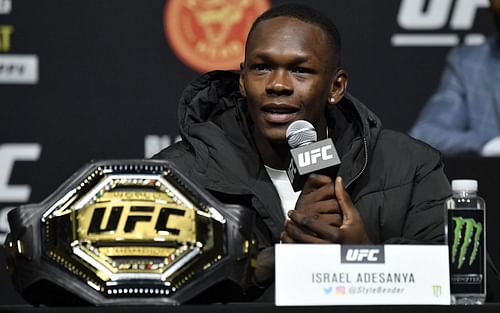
206 97
212 109
214 125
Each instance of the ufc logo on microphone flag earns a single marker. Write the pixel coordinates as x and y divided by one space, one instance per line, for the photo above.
315 156
311 157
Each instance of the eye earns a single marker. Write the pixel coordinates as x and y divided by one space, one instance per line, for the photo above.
301 70
261 67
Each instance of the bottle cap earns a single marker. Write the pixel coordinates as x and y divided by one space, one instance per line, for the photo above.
464 185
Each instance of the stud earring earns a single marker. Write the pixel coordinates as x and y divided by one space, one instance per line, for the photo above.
332 100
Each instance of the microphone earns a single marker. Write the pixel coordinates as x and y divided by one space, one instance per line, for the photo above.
308 155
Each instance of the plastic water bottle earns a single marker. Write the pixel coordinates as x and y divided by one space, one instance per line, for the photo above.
466 234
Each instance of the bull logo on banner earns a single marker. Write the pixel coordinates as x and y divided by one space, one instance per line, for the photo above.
208 35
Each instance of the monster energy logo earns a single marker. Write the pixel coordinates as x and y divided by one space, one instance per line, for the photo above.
437 290
461 243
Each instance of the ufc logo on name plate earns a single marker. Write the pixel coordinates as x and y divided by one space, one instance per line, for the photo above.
362 254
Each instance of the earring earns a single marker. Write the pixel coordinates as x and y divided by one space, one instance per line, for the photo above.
332 100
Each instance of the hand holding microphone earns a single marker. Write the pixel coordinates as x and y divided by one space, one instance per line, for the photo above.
324 212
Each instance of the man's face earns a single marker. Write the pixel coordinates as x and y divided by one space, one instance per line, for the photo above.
288 75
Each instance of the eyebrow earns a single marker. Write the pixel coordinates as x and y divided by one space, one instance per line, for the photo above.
297 59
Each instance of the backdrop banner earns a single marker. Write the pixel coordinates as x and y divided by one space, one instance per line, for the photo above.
91 80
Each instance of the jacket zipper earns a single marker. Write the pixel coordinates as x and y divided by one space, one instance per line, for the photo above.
364 164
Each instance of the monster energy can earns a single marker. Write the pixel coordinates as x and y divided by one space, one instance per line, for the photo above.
467 243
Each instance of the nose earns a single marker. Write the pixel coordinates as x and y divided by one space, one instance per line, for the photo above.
279 83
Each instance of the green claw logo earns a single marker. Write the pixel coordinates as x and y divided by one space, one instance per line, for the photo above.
472 233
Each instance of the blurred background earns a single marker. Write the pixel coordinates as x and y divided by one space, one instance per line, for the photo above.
87 80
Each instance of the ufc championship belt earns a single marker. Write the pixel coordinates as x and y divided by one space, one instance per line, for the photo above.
127 232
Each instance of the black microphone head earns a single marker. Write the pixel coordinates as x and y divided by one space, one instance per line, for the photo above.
300 133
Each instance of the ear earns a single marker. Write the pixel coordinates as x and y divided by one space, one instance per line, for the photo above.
339 86
242 77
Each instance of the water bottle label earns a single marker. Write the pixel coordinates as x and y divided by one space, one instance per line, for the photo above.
466 245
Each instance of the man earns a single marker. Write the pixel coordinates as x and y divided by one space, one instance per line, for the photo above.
463 116
390 188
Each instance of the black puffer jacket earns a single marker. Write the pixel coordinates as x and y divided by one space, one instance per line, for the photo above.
397 183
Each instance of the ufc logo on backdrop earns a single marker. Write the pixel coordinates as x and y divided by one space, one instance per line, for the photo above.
312 157
431 17
360 254
10 153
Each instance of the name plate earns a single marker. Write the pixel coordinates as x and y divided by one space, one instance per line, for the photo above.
322 274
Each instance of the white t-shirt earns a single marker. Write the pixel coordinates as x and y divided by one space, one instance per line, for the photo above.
280 180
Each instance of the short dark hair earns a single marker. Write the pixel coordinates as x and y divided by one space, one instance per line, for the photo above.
305 14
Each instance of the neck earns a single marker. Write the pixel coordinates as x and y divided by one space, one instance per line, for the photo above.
275 155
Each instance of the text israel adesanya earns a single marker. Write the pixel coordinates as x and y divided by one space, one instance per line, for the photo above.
373 277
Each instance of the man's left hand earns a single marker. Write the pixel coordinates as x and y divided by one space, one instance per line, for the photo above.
352 231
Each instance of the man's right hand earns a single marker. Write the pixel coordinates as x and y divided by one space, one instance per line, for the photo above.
325 214
317 201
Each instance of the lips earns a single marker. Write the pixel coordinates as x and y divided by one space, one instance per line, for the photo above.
279 113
